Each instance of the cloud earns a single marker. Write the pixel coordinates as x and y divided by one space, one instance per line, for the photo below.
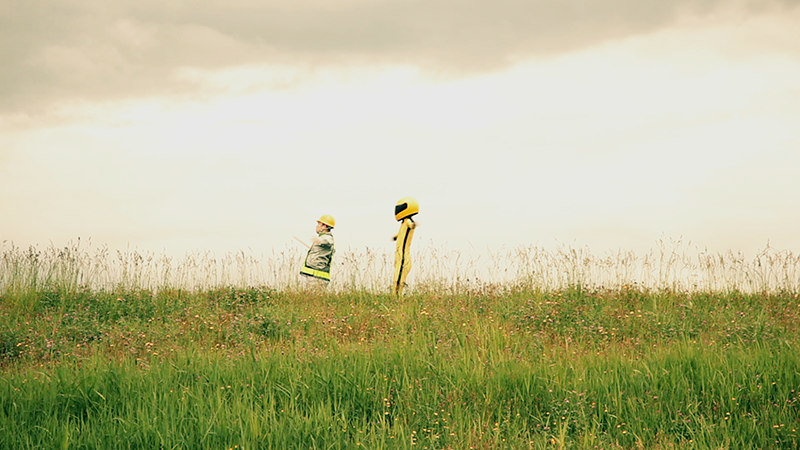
95 51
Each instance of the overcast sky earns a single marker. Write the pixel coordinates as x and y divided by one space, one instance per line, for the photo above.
175 125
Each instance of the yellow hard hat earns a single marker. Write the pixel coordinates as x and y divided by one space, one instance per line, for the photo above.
406 207
328 220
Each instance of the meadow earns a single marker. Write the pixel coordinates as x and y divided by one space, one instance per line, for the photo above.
521 349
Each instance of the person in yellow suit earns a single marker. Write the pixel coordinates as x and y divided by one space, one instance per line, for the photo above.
404 212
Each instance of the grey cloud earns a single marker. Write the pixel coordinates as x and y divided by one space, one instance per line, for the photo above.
84 49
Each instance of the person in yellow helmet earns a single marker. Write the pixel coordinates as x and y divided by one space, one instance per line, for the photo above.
317 265
404 212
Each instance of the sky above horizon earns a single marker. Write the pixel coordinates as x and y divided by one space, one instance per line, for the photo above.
209 125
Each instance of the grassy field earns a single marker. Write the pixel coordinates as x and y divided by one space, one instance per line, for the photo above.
256 368
491 366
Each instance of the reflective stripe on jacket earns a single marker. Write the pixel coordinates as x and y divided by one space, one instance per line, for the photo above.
316 273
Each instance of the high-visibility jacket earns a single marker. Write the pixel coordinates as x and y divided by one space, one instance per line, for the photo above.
319 258
402 256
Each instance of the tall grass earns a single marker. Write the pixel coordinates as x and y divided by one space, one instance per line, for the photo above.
557 349
389 398
672 265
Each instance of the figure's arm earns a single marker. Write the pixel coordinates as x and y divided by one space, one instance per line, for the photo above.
406 223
